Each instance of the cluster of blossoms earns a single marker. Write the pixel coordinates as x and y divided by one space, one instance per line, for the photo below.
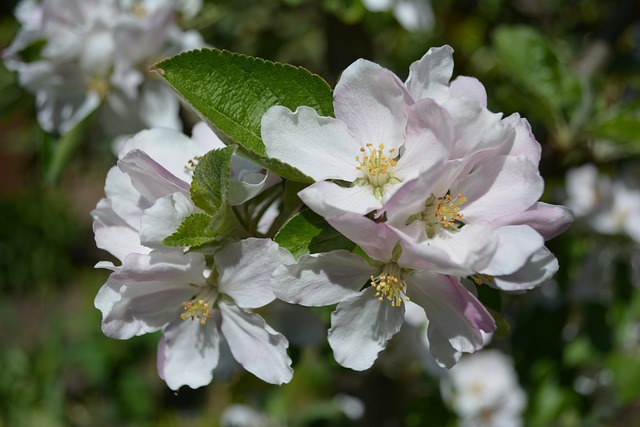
438 194
78 56
609 206
483 390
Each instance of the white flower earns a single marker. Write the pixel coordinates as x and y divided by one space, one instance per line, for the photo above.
366 145
413 15
163 288
97 53
367 317
483 390
611 206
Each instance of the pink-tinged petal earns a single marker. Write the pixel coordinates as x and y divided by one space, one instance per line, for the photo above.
540 267
188 353
361 327
516 244
163 218
479 132
429 77
328 199
257 347
548 220
410 198
168 148
462 252
368 100
469 87
125 200
451 309
430 135
124 317
170 266
320 147
320 279
499 186
377 239
444 354
245 270
525 143
150 291
150 178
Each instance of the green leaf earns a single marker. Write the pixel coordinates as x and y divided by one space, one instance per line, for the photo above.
192 231
528 56
620 125
233 91
307 232
210 186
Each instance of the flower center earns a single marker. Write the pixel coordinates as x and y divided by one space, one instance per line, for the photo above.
376 166
99 85
440 212
389 285
200 306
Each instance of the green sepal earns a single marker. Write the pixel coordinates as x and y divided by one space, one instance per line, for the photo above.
308 233
191 232
232 92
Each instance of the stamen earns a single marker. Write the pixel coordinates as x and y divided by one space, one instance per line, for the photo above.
376 164
199 309
441 212
191 164
389 285
480 279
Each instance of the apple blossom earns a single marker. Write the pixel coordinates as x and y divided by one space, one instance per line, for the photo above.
367 317
157 287
366 145
483 390
96 53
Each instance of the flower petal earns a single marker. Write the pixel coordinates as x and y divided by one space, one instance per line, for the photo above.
429 77
499 186
320 279
328 199
548 220
320 147
258 348
539 268
469 87
245 269
361 327
368 100
451 309
163 218
188 353
516 243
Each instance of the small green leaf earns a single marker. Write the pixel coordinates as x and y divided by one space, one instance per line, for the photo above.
210 186
307 232
528 56
233 91
192 231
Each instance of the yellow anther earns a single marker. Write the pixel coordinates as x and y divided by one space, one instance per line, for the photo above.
376 165
197 309
389 285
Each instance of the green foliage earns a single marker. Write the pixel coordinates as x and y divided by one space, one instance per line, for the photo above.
529 58
307 232
233 91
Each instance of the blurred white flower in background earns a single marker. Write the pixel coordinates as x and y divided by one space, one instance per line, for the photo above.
483 390
413 15
79 55
610 206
